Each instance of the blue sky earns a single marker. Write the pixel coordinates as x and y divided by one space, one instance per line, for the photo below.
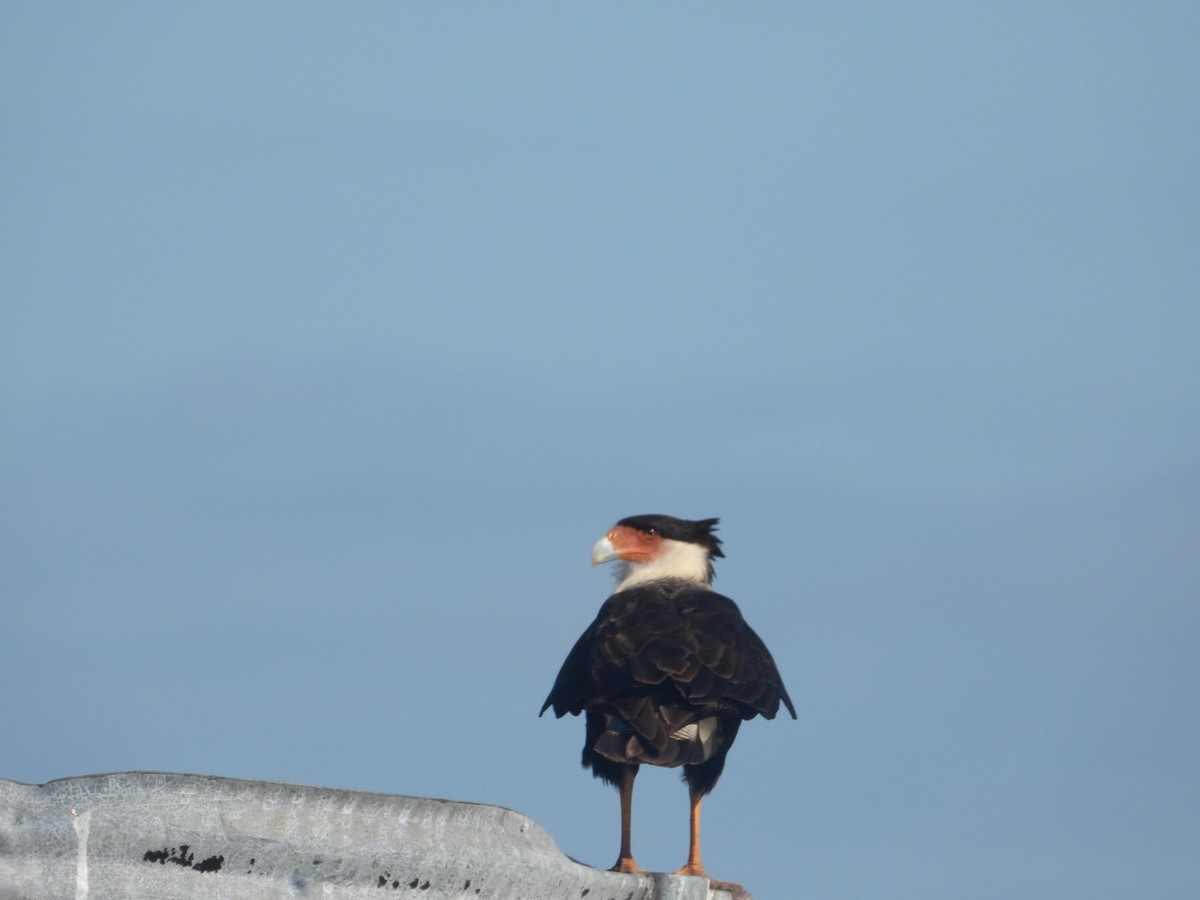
332 338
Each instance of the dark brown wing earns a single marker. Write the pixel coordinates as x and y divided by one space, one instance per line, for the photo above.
669 645
666 673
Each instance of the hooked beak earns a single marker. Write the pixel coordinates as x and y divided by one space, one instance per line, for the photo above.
604 551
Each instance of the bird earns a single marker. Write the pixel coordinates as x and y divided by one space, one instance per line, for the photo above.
668 670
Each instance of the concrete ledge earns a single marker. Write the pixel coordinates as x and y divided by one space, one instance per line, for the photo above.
141 834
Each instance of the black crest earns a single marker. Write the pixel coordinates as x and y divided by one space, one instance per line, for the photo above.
698 531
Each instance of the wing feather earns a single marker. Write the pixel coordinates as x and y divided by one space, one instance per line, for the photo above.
678 645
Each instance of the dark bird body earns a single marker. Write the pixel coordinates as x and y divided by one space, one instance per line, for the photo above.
669 669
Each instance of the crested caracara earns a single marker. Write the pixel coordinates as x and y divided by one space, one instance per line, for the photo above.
668 670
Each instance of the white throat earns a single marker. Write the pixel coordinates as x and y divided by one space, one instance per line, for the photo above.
676 559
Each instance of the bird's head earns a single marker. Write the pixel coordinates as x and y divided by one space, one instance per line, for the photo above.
654 548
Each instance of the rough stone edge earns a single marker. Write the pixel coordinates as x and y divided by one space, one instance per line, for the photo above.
166 835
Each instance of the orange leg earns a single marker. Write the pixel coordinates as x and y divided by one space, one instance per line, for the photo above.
625 862
694 866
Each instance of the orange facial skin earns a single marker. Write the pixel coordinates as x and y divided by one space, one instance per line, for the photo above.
633 545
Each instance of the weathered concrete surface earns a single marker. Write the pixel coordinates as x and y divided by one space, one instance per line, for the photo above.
152 835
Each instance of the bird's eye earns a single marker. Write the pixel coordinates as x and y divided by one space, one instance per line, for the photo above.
651 532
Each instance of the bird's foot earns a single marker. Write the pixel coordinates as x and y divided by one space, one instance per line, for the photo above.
626 864
692 868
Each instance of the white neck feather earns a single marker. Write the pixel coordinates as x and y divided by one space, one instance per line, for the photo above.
675 559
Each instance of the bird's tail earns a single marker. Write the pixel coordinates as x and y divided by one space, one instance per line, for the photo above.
659 736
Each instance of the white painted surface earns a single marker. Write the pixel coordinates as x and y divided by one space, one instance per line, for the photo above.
167 836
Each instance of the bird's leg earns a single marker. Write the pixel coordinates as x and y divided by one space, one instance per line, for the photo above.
625 862
694 866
